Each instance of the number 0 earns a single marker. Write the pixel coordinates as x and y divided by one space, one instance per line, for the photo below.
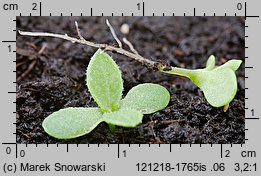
8 150
239 6
22 153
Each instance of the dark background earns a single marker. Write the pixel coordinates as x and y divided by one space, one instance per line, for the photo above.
55 77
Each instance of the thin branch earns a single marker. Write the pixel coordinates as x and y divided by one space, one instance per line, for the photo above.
81 40
78 31
113 33
65 37
127 42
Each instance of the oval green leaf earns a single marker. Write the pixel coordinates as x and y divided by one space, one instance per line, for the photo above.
146 98
104 81
210 63
72 122
219 85
123 117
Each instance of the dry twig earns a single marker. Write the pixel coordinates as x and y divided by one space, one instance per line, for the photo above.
133 54
113 33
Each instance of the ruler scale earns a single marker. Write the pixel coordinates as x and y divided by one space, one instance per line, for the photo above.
130 159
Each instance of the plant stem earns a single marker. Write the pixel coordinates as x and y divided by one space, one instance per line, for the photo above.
178 71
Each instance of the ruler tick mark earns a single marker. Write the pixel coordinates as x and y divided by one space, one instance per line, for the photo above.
252 118
16 150
9 41
245 10
252 16
143 8
40 9
118 151
221 151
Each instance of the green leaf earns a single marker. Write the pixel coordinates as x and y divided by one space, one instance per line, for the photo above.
72 122
123 117
232 64
210 63
104 81
219 85
147 98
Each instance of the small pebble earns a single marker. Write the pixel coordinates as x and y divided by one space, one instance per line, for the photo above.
125 29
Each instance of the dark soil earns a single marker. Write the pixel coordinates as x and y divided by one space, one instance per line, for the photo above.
51 76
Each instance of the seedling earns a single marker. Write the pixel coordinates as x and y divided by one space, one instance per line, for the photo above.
219 84
105 85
